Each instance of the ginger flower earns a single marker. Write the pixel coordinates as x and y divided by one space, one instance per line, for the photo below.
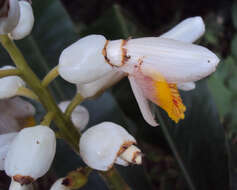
156 66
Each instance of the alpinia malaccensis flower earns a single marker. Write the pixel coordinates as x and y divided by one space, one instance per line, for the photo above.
58 185
26 21
5 141
10 85
30 154
107 143
155 65
9 16
79 116
17 186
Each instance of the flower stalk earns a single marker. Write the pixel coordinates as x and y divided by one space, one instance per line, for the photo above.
9 72
50 76
73 104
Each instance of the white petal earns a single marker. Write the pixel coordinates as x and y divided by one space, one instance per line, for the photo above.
31 152
80 115
189 30
121 162
93 88
8 124
58 185
26 21
142 102
9 85
100 145
17 107
6 139
7 24
17 186
177 61
83 61
186 86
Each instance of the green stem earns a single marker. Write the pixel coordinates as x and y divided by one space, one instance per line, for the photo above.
50 76
47 119
66 128
9 72
26 92
114 180
175 152
73 104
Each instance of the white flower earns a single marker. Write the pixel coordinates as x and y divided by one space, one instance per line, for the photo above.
5 141
26 21
156 66
58 185
30 154
107 143
80 115
10 85
10 17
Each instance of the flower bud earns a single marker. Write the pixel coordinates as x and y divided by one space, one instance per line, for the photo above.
5 141
58 185
26 21
79 116
9 85
31 153
83 61
107 143
9 16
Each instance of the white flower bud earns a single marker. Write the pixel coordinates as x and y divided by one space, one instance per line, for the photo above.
83 61
98 86
107 143
9 85
17 186
9 16
5 141
58 185
26 22
80 115
31 153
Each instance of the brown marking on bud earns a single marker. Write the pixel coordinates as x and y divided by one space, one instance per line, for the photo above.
23 180
66 182
37 142
125 57
135 155
124 147
104 52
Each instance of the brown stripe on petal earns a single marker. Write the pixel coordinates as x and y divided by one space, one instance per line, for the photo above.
124 147
23 180
104 52
125 57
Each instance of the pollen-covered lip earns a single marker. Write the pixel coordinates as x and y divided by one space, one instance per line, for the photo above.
23 180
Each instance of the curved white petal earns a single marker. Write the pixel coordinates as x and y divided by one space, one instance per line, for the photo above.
121 162
186 86
189 30
93 88
17 186
58 185
177 61
26 21
142 102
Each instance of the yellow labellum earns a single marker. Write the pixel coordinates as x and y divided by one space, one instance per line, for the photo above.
168 98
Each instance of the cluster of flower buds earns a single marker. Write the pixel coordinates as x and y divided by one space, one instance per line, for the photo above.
30 155
79 116
16 18
107 143
156 66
